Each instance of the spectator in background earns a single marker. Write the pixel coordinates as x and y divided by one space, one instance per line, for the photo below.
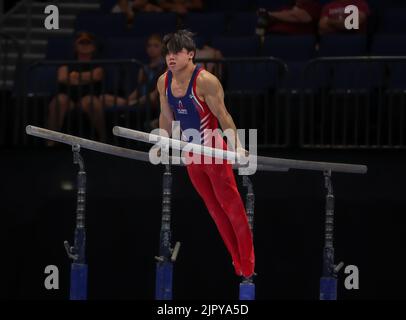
146 93
302 18
181 6
204 51
79 84
333 16
131 7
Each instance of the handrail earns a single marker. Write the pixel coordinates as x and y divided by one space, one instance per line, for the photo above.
364 59
91 62
357 58
245 59
8 14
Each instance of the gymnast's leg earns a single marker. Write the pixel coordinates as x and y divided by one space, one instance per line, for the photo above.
202 184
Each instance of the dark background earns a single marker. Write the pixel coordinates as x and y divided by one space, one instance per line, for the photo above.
123 223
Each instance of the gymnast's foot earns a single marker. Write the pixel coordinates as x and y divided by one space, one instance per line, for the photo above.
248 267
248 278
237 269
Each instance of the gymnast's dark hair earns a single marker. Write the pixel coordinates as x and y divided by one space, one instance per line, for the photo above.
177 41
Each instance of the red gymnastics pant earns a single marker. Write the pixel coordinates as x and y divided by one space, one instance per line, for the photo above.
216 184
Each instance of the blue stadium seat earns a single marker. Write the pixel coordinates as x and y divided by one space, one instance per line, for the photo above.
242 24
120 79
251 77
102 24
393 21
107 5
324 2
125 48
392 45
389 45
199 41
358 76
41 80
237 46
228 5
396 72
293 48
205 24
60 48
246 77
345 75
376 5
294 79
396 3
147 23
379 5
273 4
294 51
343 45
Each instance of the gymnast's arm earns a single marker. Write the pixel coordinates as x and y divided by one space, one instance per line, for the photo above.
209 87
294 15
166 115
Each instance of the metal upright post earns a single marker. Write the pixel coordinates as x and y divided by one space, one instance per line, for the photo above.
78 284
167 255
247 285
328 281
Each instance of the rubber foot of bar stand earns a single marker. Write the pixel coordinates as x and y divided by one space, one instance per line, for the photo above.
78 281
247 290
163 281
328 288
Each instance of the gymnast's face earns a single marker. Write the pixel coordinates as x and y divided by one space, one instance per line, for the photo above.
179 60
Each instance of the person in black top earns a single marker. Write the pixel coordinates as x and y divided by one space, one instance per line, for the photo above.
79 84
145 96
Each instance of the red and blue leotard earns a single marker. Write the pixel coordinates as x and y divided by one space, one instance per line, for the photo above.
215 183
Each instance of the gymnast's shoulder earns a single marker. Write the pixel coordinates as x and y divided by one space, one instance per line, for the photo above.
206 79
161 81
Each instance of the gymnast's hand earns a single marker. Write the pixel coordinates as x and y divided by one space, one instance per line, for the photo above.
160 153
242 152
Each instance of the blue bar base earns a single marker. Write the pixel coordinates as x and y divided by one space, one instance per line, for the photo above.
247 290
78 281
163 281
328 288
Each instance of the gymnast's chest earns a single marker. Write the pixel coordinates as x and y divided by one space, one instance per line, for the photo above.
179 90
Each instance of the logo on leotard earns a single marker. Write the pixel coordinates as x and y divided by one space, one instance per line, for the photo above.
181 109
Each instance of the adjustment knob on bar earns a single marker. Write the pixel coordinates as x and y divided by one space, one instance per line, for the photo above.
175 252
70 251
338 267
